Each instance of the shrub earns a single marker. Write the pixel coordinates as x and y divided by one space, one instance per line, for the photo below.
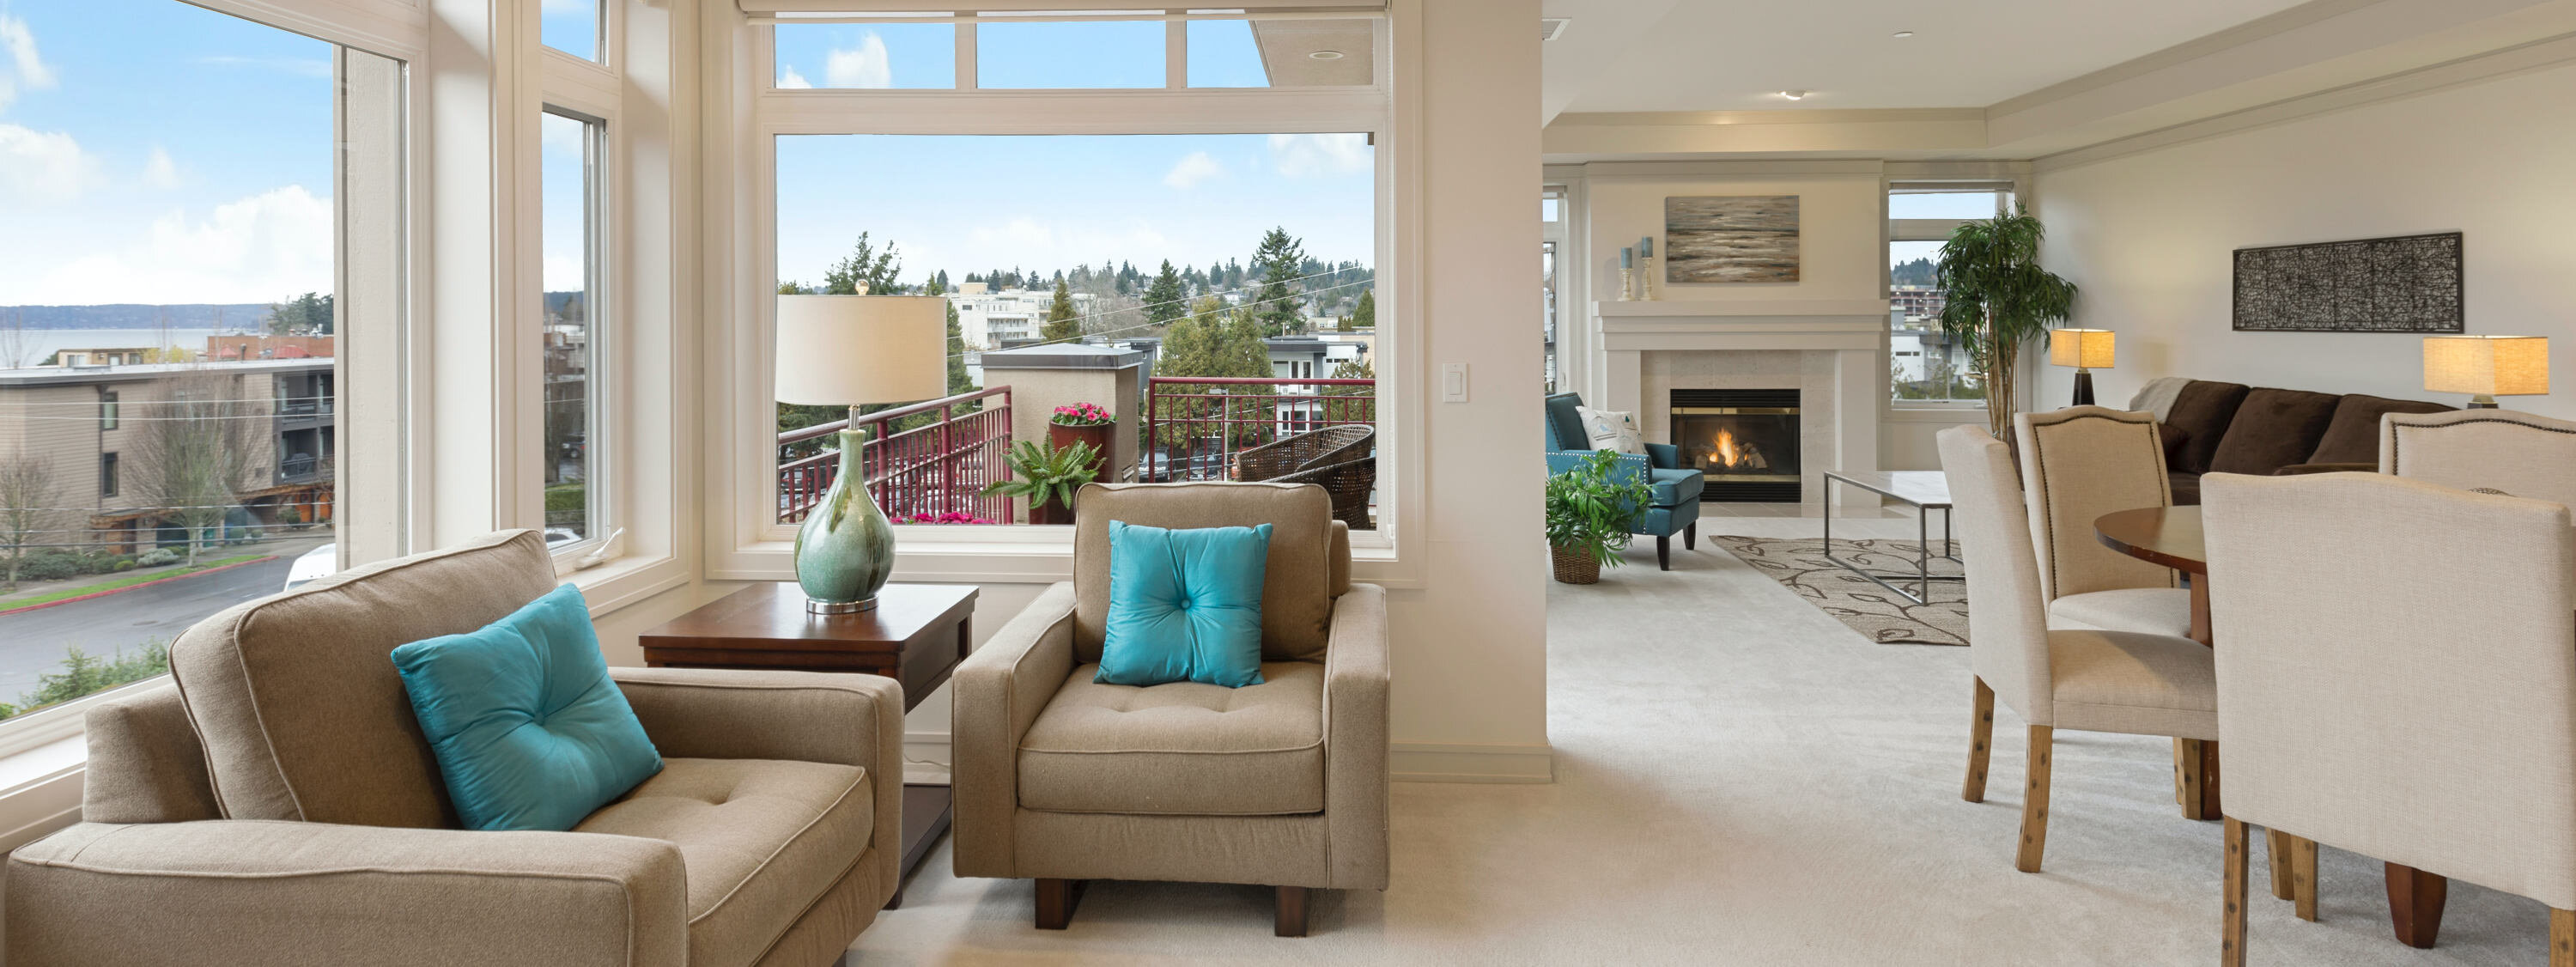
156 557
83 674
49 566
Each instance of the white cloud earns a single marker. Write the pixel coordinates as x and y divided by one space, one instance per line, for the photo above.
25 66
862 66
257 249
1192 169
159 171
44 165
790 80
1309 155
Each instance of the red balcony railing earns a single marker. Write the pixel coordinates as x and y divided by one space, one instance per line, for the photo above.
1194 425
931 458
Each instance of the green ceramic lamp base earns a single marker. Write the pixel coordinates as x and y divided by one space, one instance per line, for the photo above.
845 550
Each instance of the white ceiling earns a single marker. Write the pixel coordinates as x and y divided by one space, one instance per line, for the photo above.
1719 55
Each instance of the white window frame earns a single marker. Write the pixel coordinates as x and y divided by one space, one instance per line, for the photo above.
748 112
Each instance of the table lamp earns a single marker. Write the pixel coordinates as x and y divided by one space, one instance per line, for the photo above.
2084 349
2486 367
852 350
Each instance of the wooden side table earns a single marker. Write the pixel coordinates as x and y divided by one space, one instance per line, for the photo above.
917 635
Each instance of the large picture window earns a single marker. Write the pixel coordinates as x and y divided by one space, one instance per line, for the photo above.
1925 366
168 375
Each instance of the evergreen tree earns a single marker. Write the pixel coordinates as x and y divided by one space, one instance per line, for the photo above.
1280 259
959 380
1364 316
1061 325
305 315
1165 302
865 266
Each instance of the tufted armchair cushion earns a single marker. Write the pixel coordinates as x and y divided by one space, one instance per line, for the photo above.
1182 749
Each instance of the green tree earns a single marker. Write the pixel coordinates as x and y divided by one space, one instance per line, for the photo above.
1061 324
1165 301
866 266
1363 409
1364 316
1279 260
305 315
959 380
1219 342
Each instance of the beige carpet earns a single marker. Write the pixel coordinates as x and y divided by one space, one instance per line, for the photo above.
1878 614
1742 780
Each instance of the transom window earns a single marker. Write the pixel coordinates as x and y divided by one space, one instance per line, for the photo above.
1002 50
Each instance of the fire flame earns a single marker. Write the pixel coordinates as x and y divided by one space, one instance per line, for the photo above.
1726 448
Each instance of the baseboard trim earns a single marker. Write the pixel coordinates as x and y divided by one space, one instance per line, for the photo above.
1472 763
1408 761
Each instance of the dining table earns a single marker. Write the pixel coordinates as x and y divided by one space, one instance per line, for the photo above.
2173 537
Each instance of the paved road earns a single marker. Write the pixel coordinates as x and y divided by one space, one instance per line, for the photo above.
33 642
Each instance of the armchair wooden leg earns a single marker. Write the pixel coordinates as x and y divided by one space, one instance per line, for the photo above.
1056 900
1291 919
2231 937
1664 551
2562 938
1981 741
2034 802
1690 536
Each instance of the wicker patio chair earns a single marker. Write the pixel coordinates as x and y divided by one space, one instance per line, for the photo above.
1348 482
1287 455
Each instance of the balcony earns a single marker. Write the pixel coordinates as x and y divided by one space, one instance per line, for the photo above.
929 459
1197 426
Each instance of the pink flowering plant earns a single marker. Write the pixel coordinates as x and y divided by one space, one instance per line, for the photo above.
951 517
1082 414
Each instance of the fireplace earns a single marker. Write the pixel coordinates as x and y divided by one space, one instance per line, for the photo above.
1744 442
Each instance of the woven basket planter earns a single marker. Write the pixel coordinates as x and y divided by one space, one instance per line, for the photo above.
1575 567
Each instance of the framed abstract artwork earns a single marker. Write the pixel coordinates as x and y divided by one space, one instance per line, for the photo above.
1730 238
2407 283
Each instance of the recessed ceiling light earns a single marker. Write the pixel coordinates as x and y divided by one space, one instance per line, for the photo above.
1326 55
1794 95
1904 33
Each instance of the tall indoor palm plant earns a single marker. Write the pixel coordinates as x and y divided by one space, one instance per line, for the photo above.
1997 298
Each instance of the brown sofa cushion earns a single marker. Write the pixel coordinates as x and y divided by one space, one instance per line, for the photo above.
2274 428
295 696
2202 411
2185 488
2353 435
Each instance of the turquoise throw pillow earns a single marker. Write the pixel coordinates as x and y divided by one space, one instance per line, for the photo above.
1184 605
528 729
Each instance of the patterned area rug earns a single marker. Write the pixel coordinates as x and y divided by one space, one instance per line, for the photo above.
1854 600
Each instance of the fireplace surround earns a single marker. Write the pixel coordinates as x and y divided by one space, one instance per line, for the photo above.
1745 442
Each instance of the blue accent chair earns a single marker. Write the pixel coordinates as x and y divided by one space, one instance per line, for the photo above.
1677 487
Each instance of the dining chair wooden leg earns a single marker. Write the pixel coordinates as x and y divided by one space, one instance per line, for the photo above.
2177 770
2199 773
2276 849
2303 877
2034 802
2562 938
2415 901
2231 935
1981 742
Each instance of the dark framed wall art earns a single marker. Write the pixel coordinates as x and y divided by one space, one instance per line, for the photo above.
2407 283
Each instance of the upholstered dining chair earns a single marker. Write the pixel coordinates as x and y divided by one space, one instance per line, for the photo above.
1062 779
2502 450
2078 464
2073 678
2444 736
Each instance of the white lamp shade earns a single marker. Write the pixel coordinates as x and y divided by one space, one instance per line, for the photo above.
849 350
2487 365
2083 348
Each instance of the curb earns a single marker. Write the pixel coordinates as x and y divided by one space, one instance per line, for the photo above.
146 584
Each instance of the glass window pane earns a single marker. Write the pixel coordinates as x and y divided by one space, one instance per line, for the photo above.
1944 204
570 169
1106 54
1282 53
866 56
571 26
167 346
1242 255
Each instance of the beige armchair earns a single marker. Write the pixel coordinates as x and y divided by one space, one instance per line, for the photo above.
2399 681
2099 681
1280 784
2078 464
279 805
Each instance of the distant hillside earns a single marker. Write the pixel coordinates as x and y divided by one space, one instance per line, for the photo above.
193 316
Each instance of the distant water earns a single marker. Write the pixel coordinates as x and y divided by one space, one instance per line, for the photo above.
41 344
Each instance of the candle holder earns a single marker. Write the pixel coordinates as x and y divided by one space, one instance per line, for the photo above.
1627 285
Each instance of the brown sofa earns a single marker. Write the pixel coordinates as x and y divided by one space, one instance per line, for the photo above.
2212 427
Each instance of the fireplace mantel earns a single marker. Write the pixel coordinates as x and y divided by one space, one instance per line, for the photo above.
1832 350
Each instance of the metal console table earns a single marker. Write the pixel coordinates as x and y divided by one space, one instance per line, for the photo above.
1923 490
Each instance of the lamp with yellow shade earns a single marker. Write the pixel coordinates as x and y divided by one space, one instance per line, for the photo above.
2084 349
851 350
2486 367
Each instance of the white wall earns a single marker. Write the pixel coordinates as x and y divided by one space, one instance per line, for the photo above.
2149 236
1840 220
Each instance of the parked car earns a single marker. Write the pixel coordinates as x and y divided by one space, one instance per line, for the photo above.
324 561
1160 467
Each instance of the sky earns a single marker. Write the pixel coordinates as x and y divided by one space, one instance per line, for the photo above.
156 152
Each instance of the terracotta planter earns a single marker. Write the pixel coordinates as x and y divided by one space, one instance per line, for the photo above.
1061 436
1574 567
